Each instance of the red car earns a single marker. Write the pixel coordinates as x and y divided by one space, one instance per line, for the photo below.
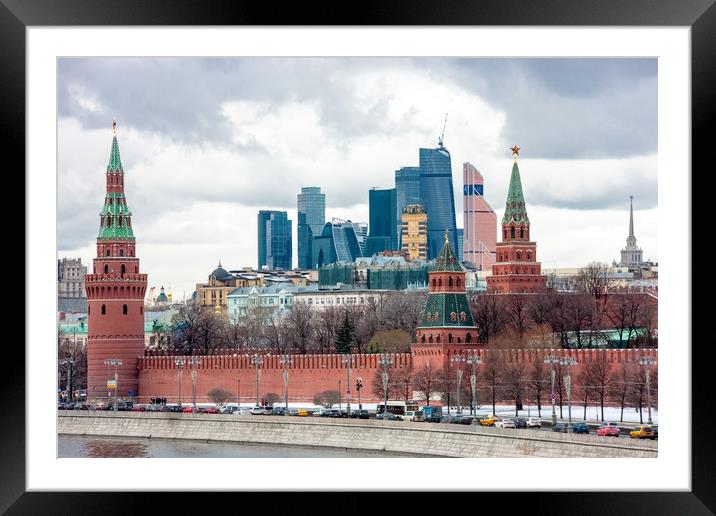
138 408
190 410
609 429
211 410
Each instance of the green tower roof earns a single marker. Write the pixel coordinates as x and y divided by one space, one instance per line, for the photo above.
115 164
446 260
515 209
446 310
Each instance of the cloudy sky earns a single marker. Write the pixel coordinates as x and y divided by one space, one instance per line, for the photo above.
206 143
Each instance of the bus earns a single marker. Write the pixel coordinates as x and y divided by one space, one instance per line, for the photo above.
409 411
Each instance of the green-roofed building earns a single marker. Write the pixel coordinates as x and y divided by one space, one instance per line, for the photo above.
446 326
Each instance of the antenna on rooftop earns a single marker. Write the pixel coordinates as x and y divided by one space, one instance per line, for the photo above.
442 136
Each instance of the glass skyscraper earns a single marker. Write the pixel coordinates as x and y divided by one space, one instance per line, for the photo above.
275 243
311 204
437 198
407 192
382 219
337 243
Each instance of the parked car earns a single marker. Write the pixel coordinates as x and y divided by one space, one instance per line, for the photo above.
278 411
580 428
124 405
360 414
257 411
560 427
211 410
190 410
656 431
609 429
302 412
519 422
388 417
413 415
461 420
533 422
320 412
292 412
139 408
153 408
175 408
505 423
642 432
489 420
228 409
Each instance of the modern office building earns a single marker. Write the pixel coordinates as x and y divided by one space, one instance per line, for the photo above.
311 205
480 221
337 243
414 232
382 230
407 191
437 198
361 229
516 269
460 241
275 240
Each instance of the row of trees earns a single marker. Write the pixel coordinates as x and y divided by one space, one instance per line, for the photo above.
596 384
388 323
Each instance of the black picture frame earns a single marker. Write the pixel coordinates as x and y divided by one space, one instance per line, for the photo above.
16 15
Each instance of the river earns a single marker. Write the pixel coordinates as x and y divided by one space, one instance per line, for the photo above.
80 446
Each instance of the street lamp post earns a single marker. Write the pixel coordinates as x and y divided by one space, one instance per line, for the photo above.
551 360
115 362
348 361
385 361
647 362
180 363
69 361
473 360
194 361
286 360
359 386
569 362
456 359
257 361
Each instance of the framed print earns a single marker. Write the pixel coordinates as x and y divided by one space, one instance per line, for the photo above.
217 130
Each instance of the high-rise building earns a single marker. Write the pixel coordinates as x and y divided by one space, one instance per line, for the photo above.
382 231
460 242
337 243
516 269
407 191
71 277
311 204
274 240
479 220
414 232
437 198
115 293
631 254
361 229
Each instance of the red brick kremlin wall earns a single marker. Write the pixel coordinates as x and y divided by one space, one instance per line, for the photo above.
311 374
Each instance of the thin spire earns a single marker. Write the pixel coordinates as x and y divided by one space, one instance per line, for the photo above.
631 216
515 209
115 163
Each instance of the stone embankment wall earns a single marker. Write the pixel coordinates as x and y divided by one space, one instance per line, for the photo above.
392 436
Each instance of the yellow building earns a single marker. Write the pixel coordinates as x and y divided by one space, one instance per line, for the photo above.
215 293
414 232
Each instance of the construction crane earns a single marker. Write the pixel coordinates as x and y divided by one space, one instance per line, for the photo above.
440 140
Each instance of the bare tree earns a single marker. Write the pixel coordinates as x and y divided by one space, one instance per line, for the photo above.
300 327
492 372
593 279
518 317
326 325
538 379
619 385
579 309
489 315
425 381
404 382
270 398
514 382
219 395
395 388
326 398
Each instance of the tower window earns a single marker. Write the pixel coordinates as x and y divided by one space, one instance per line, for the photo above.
121 252
104 309
522 232
124 269
512 232
107 253
450 281
124 309
106 268
458 282
468 337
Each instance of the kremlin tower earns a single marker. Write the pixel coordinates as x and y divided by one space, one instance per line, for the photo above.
115 293
516 269
446 325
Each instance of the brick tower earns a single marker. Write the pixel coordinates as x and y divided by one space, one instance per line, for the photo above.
115 293
516 269
446 325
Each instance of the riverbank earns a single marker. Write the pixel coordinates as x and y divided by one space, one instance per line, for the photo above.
383 436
